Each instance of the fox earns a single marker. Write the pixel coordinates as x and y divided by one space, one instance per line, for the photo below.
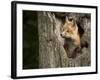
70 30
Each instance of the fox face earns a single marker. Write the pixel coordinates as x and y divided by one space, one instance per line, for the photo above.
70 30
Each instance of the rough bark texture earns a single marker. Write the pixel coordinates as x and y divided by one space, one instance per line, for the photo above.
51 50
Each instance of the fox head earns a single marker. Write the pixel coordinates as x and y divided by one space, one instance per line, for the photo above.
70 30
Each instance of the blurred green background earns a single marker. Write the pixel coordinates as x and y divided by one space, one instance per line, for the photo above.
30 40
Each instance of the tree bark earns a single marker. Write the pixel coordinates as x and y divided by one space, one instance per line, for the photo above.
51 53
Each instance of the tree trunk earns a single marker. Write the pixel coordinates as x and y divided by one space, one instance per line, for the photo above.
51 53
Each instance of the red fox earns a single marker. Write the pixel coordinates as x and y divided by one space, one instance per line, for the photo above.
70 30
70 33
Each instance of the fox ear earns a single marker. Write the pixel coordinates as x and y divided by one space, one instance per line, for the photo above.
66 19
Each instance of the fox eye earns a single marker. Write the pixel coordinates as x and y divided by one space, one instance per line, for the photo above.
68 31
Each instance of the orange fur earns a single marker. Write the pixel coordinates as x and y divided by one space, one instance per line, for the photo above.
70 30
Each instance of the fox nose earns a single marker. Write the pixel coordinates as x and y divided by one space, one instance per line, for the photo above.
61 35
